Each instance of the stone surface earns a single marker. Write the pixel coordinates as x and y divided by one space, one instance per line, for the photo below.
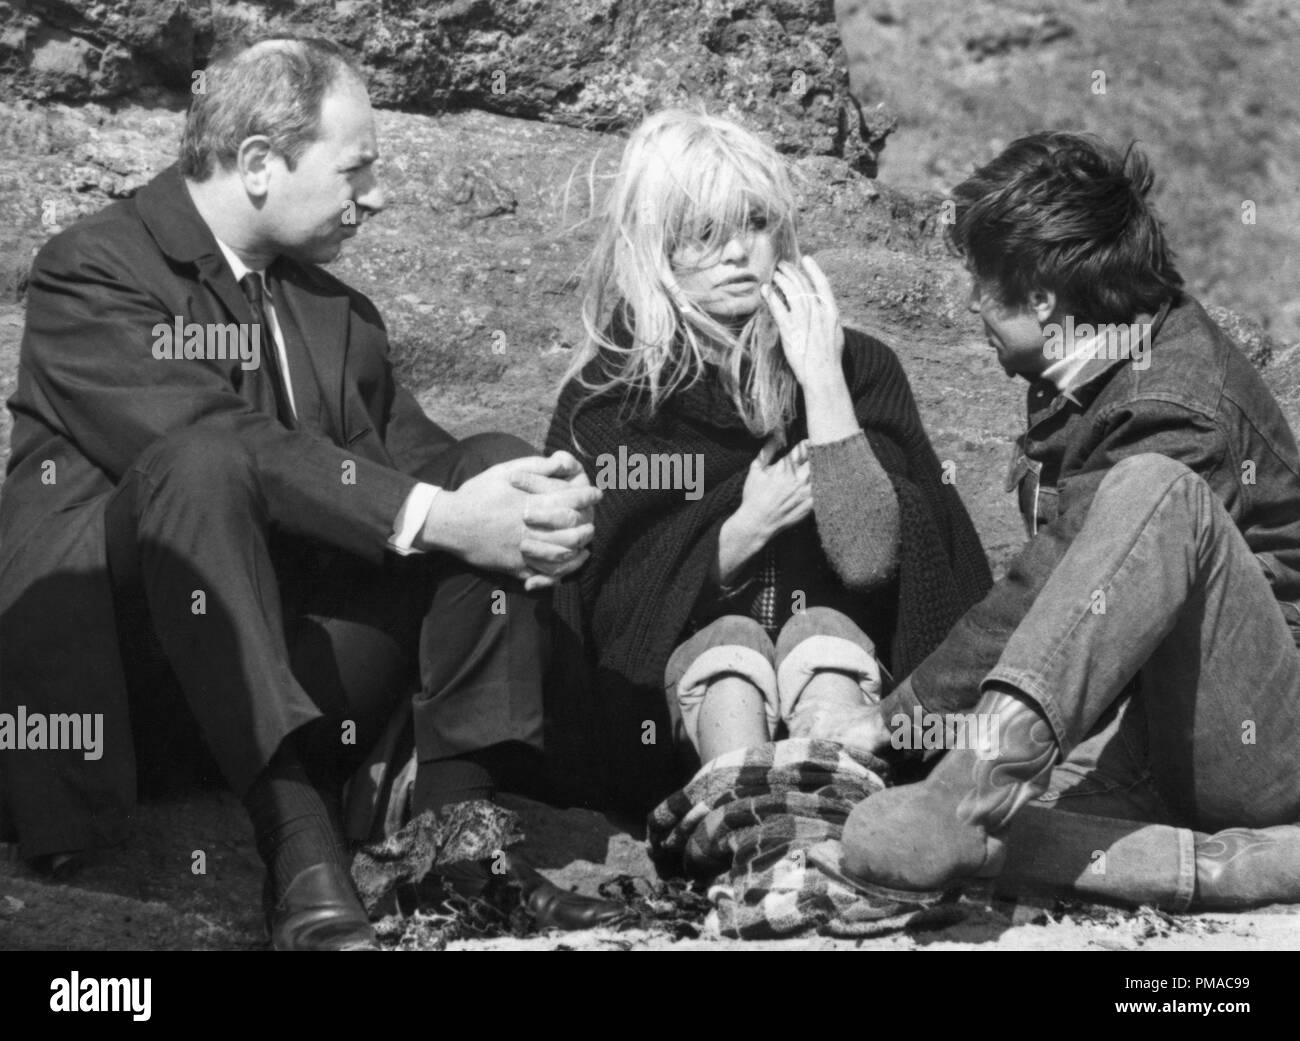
148 896
1209 90
595 64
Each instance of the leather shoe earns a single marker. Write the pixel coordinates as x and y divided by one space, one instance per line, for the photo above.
556 908
319 911
62 867
549 906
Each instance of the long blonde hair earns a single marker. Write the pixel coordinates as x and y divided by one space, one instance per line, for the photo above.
685 177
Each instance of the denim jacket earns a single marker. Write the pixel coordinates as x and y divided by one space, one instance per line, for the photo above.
1195 398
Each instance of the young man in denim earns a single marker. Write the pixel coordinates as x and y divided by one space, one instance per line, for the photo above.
1139 661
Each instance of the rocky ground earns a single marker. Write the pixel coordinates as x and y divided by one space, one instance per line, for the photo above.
145 897
473 266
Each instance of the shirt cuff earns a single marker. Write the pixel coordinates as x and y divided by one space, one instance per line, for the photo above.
411 519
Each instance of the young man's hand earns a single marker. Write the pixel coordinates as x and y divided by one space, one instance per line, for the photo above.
529 518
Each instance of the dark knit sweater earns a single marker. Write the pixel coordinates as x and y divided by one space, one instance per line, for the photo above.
623 613
856 550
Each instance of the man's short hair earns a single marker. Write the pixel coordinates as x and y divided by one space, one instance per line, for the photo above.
273 86
1067 213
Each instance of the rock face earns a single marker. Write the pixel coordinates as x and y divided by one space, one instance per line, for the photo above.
63 49
1210 91
962 76
594 64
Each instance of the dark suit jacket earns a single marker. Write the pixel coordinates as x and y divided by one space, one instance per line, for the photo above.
90 397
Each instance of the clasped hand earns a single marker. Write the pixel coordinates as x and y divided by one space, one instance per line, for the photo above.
529 518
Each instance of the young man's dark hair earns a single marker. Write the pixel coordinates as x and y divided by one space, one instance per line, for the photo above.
1067 213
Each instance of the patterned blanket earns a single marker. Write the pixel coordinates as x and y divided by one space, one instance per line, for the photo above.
765 823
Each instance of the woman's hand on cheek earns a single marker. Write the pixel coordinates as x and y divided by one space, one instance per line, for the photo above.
803 307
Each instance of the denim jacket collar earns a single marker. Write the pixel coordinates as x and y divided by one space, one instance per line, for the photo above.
1045 399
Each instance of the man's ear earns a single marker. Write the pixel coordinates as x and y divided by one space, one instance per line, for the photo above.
252 162
1043 302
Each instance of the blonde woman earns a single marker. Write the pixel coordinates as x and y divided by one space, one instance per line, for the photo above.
774 526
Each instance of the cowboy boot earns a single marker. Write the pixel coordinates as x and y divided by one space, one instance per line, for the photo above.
927 835
1060 853
1247 867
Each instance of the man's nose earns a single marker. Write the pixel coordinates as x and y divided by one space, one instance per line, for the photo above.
973 304
372 198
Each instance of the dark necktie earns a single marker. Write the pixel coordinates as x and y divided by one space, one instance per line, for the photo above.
251 284
302 368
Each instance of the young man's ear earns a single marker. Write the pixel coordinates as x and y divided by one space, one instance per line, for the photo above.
1043 303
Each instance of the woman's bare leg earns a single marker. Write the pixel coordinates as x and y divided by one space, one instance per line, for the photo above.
732 716
831 704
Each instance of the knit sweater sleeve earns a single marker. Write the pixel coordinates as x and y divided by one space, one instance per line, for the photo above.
856 510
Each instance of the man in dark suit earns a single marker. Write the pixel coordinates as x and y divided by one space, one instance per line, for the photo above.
215 479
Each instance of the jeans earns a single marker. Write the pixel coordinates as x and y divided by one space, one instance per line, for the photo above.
1159 586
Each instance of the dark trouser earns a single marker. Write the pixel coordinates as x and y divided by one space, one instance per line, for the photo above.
266 632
